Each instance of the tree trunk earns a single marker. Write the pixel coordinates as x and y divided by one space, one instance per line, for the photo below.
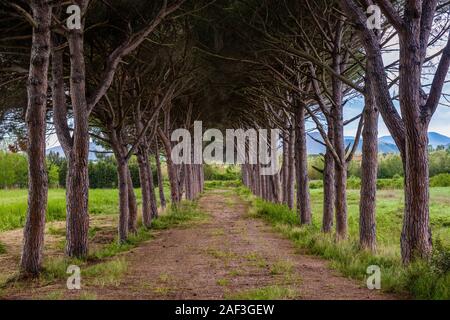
153 202
416 239
181 174
276 182
257 175
291 169
329 186
301 160
77 192
122 172
162 197
132 205
339 141
369 170
171 169
145 189
341 184
416 242
124 181
285 168
37 86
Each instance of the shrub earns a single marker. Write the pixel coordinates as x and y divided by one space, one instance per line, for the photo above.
441 180
221 173
354 183
316 184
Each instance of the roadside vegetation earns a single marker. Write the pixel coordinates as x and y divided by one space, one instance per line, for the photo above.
106 266
13 205
419 280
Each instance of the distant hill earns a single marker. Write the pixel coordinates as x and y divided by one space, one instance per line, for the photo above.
435 139
386 144
92 147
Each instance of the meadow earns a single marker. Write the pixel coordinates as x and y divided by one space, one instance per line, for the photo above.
13 205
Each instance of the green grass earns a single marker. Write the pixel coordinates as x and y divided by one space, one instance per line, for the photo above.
282 267
13 205
218 184
105 274
421 280
223 282
274 292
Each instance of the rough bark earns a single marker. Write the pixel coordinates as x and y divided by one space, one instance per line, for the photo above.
416 239
59 97
369 170
277 193
77 185
122 172
144 178
132 205
416 235
37 86
153 202
339 141
162 197
329 187
291 169
171 168
181 174
284 170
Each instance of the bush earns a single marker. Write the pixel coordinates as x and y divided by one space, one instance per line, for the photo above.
221 173
390 184
13 170
354 183
441 180
316 184
209 185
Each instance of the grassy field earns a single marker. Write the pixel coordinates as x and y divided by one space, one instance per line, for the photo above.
13 205
421 280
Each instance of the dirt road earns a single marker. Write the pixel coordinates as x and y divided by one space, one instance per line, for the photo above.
228 256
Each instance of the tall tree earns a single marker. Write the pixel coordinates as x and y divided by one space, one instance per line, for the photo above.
37 86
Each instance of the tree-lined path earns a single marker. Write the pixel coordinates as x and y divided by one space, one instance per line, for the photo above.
227 255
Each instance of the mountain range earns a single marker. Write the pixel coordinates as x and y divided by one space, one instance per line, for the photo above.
92 148
386 144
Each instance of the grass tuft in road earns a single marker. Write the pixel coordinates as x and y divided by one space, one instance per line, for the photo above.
265 293
282 267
